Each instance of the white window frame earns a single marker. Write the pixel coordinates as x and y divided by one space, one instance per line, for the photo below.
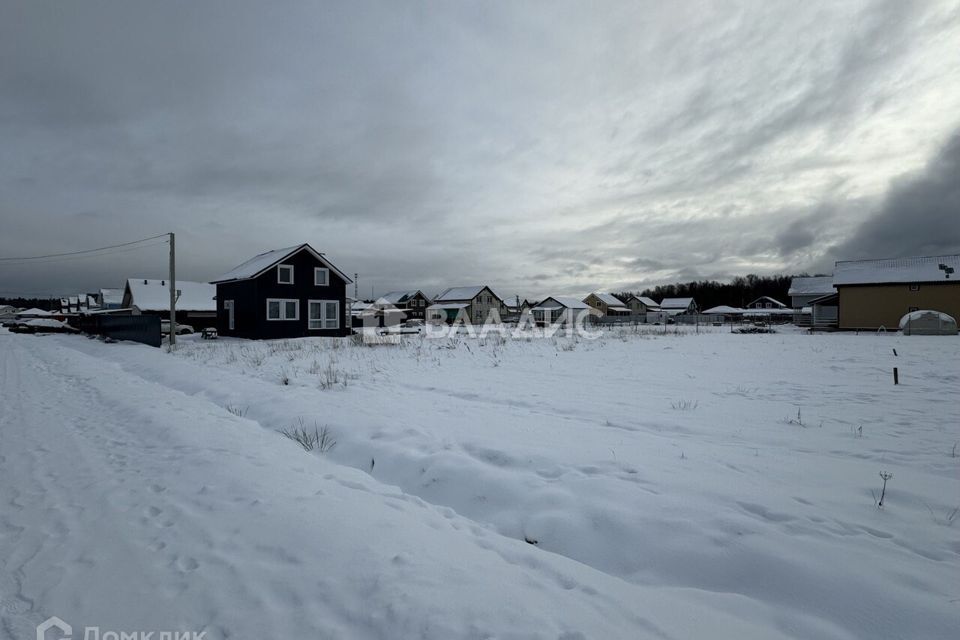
324 324
283 309
326 278
280 268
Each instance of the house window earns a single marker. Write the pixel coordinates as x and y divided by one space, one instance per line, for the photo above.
280 309
914 287
321 276
324 314
285 274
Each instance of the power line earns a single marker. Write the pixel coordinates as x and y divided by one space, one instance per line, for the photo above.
74 253
80 256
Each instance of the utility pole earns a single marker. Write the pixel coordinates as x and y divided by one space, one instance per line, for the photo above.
173 292
356 286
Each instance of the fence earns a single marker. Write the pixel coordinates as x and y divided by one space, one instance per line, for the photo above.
144 329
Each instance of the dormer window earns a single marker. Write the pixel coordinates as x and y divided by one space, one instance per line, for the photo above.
285 274
321 277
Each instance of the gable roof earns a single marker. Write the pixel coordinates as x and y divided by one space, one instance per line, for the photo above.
607 298
397 297
464 293
647 302
896 270
811 286
154 295
773 300
723 309
111 296
258 264
563 301
675 303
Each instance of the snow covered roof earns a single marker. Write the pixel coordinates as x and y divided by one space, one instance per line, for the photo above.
111 296
555 302
608 299
647 302
396 297
154 295
779 311
724 309
896 270
675 303
261 262
450 305
33 311
463 293
811 286
779 304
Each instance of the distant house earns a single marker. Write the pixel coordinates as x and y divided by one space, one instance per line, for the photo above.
723 313
640 305
195 301
678 306
475 304
285 293
607 304
111 298
766 302
413 304
804 289
878 293
561 310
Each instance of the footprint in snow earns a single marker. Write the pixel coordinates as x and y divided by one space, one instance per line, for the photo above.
187 564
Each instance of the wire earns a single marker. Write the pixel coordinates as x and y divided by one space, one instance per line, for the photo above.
81 257
74 253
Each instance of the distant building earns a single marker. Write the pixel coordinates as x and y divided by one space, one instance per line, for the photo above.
561 310
804 289
111 298
607 304
766 302
195 303
678 306
413 304
640 305
285 293
878 293
474 304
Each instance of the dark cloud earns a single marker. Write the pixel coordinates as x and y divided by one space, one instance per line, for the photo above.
450 143
920 215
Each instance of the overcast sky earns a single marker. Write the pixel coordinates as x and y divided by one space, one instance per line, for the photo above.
540 147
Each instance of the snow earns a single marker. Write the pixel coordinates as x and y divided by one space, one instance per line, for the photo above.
665 476
675 303
896 270
609 299
260 262
396 297
460 293
811 286
48 323
154 295
111 297
257 264
723 309
647 302
33 311
555 302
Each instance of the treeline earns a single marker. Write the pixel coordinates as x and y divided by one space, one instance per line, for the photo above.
709 293
47 304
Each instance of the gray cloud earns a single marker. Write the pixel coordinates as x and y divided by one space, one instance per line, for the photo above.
920 215
427 145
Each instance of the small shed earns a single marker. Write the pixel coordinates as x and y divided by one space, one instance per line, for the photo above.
927 322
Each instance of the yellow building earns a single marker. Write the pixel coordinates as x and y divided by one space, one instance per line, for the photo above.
877 293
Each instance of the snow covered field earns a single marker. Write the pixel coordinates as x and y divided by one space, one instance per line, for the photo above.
641 485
